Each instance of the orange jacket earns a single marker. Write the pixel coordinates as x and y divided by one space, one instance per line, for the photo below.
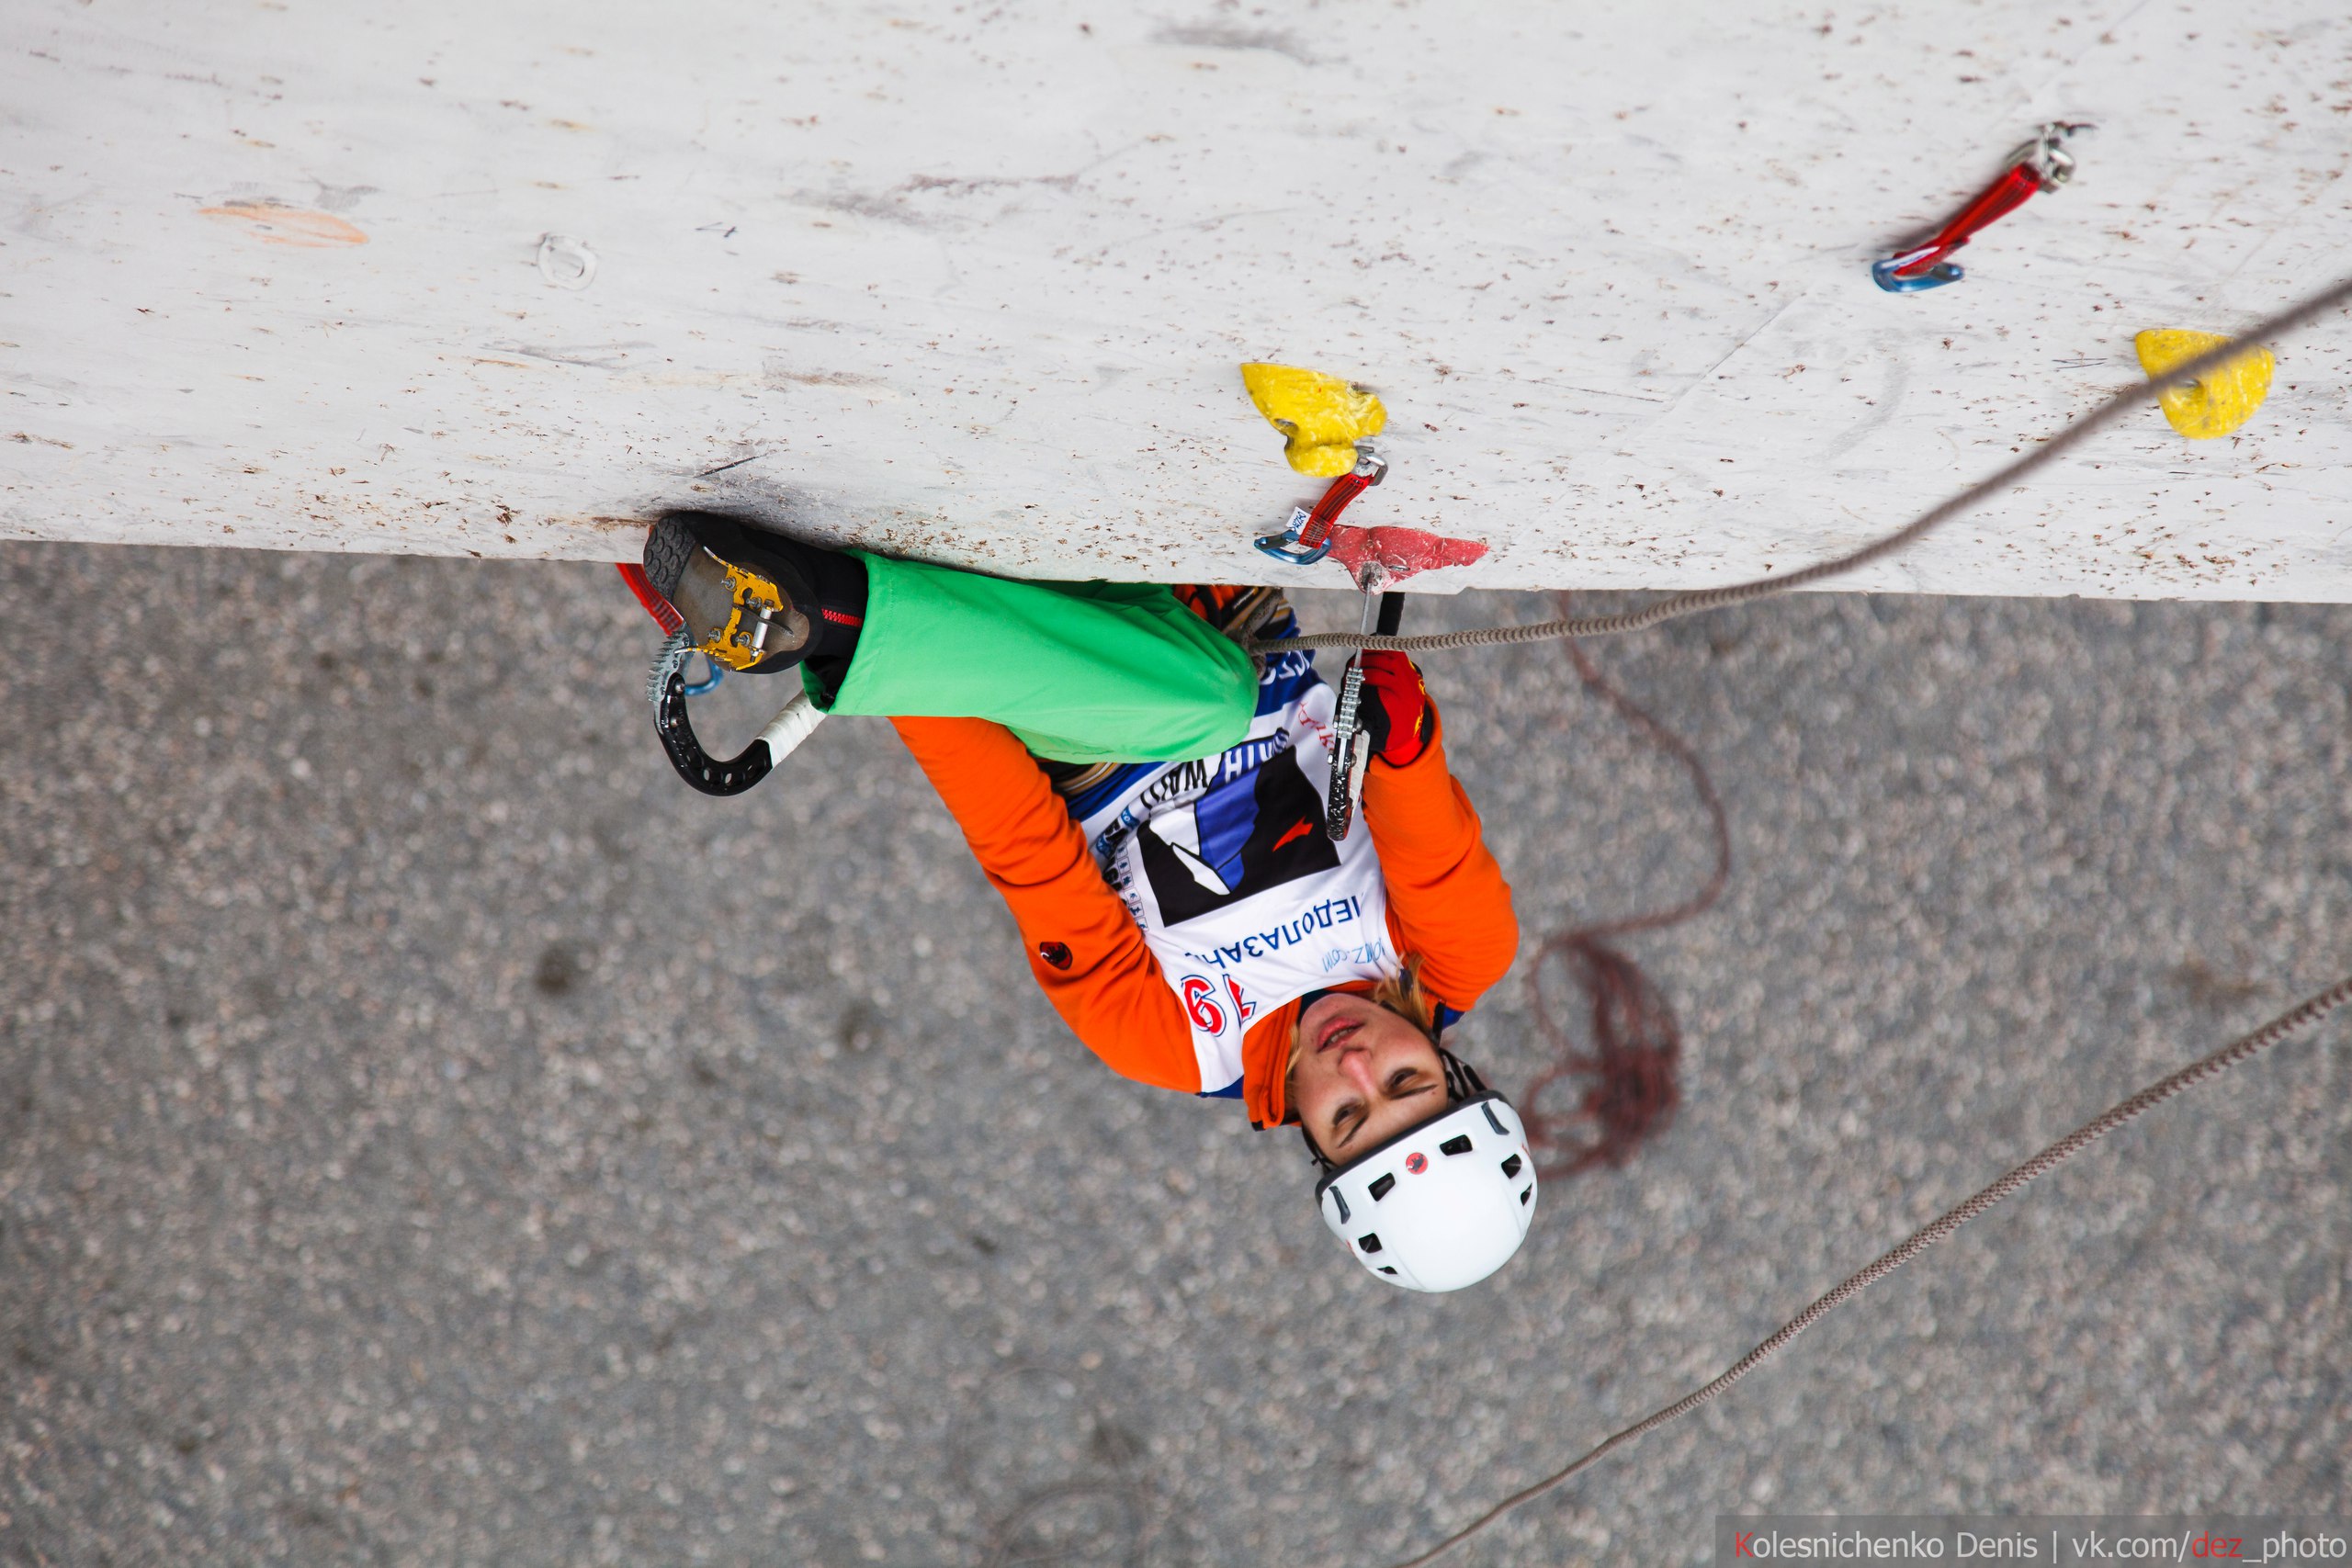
1447 903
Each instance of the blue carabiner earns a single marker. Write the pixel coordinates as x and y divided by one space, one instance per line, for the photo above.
1289 545
1882 273
717 674
1284 546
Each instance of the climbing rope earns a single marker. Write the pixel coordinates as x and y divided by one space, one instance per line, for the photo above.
2300 1017
1676 606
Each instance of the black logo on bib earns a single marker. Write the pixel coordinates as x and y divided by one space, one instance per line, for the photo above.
1250 833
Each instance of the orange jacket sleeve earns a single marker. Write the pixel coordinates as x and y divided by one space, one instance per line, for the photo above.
1447 897
1111 994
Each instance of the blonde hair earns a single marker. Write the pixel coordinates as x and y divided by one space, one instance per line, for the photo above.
1401 993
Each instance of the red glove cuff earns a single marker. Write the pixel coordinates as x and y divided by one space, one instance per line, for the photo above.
1395 708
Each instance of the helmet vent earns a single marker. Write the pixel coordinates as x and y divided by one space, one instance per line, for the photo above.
1341 1200
1381 1188
1387 1269
1369 1243
1492 1120
1527 1195
1457 1144
1510 1167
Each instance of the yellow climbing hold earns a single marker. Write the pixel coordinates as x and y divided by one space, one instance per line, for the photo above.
2219 401
1322 417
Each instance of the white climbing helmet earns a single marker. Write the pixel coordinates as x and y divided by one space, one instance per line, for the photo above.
1440 1206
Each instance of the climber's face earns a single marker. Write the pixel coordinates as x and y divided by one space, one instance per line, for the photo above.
1363 1074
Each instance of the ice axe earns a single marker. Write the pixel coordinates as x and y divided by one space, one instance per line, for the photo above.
1350 742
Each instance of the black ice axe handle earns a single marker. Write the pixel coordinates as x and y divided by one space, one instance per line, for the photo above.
707 774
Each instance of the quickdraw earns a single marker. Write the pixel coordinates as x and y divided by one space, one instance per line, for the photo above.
2042 164
1308 538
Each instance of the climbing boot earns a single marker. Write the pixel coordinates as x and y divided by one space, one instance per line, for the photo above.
754 601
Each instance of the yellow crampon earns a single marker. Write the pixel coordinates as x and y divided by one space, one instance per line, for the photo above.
756 603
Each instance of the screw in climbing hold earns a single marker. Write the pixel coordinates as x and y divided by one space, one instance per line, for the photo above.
565 262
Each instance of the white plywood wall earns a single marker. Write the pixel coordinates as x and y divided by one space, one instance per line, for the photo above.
971 281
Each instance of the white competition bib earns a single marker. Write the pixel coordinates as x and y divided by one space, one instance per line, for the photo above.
1224 864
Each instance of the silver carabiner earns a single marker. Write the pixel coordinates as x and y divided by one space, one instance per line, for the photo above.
2046 154
1350 742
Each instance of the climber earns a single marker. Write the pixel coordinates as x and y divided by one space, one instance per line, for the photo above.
1149 802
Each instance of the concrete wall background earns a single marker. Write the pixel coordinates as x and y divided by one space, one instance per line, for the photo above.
971 283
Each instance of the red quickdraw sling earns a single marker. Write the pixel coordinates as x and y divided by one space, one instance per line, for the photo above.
2040 164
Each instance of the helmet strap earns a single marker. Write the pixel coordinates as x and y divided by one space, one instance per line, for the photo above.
1461 1079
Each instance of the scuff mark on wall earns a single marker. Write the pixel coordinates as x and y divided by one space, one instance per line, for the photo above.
593 356
1217 35
275 223
341 198
1894 385
779 377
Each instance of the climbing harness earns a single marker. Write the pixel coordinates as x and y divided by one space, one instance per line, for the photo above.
2042 164
1674 606
1308 538
2294 1020
1350 742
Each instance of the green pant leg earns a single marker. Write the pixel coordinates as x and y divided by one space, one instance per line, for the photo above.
1080 671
